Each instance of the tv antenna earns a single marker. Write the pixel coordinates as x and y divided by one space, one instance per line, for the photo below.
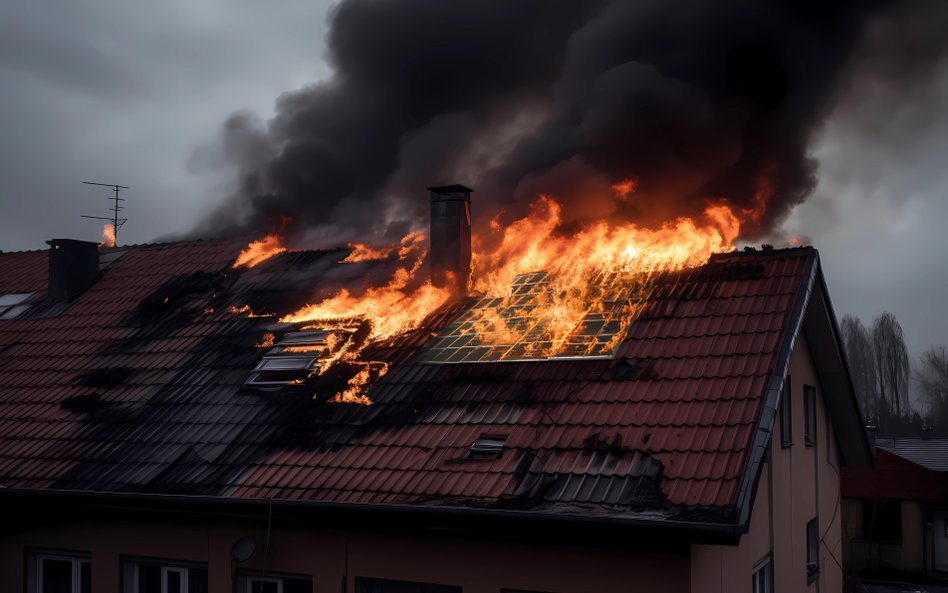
116 221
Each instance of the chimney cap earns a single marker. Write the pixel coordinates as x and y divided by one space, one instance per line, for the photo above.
450 189
54 242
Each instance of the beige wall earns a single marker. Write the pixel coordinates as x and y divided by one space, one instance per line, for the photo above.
479 566
798 484
906 555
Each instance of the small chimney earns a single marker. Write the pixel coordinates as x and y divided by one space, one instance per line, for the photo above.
450 237
73 267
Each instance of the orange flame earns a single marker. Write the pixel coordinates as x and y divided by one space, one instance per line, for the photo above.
260 251
392 308
108 235
581 274
365 252
234 310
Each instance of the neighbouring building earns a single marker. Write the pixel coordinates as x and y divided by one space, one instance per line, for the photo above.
148 443
895 517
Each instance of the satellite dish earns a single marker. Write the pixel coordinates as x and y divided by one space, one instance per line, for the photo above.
243 549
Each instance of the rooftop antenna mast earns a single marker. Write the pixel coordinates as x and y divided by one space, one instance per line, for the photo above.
116 221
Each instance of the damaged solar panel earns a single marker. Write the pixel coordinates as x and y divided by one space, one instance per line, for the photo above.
532 322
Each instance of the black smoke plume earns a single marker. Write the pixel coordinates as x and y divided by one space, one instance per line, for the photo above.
698 100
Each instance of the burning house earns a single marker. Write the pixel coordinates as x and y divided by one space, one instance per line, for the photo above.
620 408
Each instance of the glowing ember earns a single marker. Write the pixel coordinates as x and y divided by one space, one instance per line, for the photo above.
233 310
266 341
625 188
260 251
108 235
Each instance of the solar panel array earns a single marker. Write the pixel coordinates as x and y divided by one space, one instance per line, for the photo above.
523 325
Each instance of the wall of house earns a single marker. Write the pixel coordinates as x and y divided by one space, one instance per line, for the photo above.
335 556
905 555
798 483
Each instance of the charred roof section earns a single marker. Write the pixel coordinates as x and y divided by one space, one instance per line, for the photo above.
124 392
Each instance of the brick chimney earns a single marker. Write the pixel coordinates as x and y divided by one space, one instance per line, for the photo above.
73 267
450 237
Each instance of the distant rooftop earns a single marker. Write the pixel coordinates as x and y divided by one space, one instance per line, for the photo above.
930 453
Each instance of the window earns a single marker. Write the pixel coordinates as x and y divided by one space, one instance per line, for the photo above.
812 551
160 576
809 418
762 581
11 305
882 520
487 447
58 572
786 415
363 585
269 582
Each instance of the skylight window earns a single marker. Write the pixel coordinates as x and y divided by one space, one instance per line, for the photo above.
293 358
530 324
12 305
487 447
285 363
304 338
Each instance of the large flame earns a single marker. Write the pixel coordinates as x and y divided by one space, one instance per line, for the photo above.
392 308
581 272
260 251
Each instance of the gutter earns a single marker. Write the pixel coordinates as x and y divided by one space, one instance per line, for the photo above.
441 517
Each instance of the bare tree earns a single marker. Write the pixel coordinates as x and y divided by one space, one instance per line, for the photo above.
892 365
862 366
932 377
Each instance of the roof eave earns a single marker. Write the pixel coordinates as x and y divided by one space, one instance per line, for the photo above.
817 319
369 515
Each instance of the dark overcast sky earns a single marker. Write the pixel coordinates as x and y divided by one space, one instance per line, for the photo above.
136 93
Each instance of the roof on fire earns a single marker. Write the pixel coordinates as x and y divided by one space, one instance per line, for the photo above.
136 387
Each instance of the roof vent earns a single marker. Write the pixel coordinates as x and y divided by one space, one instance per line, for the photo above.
487 447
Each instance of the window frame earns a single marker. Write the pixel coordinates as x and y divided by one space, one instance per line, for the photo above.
764 564
786 414
182 573
809 415
35 558
246 578
130 566
812 546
